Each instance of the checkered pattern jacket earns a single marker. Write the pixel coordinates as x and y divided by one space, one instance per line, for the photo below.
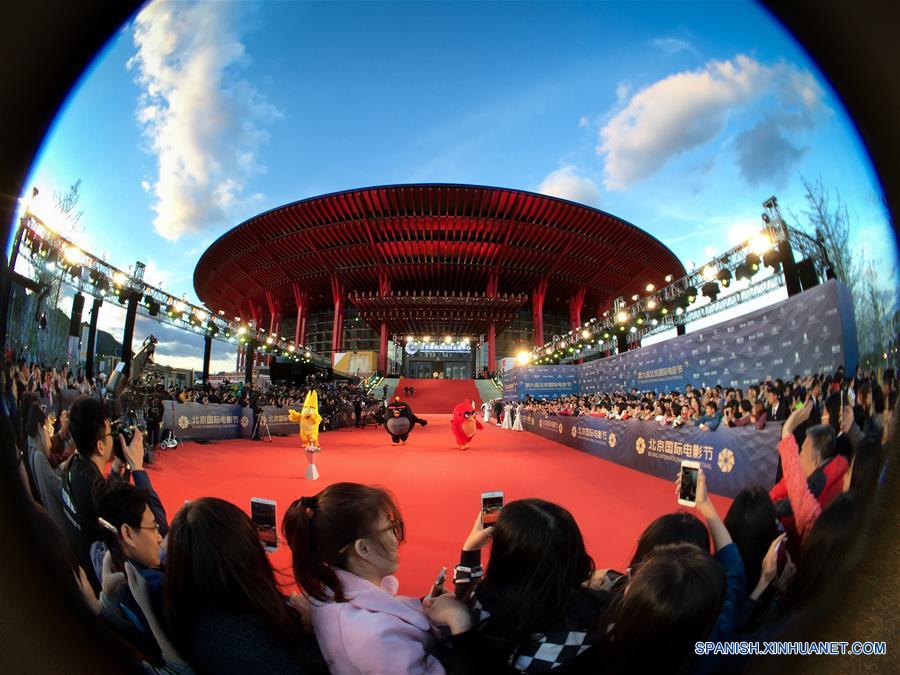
547 651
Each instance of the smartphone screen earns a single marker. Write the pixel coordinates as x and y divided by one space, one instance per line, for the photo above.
491 504
690 475
262 513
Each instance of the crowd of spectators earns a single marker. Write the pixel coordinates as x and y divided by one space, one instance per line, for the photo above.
199 594
711 407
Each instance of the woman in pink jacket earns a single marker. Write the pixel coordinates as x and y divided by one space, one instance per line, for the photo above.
344 543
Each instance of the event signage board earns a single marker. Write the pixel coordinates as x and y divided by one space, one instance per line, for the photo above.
541 381
279 420
212 421
808 333
731 458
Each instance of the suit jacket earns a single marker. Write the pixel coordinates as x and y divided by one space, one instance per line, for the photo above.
779 412
376 631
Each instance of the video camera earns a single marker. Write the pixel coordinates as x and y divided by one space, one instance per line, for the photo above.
124 396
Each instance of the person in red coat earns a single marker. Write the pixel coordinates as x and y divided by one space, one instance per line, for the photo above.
464 424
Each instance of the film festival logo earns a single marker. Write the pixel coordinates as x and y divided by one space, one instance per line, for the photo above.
183 422
612 440
726 460
560 428
245 421
574 432
640 445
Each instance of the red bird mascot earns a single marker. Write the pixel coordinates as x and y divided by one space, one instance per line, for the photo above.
464 424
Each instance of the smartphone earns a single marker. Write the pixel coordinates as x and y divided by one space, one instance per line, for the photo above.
491 504
262 513
438 587
690 477
781 557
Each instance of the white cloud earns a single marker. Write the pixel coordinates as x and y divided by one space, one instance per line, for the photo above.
672 45
200 120
691 108
583 122
568 184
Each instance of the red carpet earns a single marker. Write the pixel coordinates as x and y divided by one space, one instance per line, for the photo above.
438 396
437 486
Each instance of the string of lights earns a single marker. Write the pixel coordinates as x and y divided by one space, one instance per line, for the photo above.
92 275
627 323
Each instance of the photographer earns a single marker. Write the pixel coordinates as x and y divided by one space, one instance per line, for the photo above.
154 417
91 431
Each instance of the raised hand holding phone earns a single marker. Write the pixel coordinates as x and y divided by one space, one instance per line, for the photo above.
437 588
479 536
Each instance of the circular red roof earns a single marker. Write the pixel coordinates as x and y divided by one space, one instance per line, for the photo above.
430 237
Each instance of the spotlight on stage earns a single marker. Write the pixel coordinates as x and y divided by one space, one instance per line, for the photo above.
711 290
772 259
724 277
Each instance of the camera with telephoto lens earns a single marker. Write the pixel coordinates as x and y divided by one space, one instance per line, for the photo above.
124 396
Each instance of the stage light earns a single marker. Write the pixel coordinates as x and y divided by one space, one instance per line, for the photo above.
606 335
180 306
709 273
691 294
548 352
523 358
633 329
760 243
73 255
773 259
651 304
119 278
212 329
409 338
635 297
622 317
585 333
711 290
308 354
654 322
448 339
650 288
103 284
269 340
221 312
669 278
679 311
724 277
242 330
466 340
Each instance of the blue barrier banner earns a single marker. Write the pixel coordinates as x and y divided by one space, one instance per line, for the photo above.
810 332
213 421
732 458
540 381
278 420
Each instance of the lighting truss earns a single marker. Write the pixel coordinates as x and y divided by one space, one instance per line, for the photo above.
95 277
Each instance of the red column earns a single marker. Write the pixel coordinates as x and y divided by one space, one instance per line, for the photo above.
576 303
538 293
301 297
493 283
492 346
338 297
384 289
383 348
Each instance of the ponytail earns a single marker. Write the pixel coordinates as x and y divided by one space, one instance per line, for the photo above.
321 530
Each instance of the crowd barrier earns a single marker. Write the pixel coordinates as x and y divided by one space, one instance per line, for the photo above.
808 333
214 421
732 457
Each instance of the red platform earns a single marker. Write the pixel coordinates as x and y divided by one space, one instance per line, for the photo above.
437 486
438 396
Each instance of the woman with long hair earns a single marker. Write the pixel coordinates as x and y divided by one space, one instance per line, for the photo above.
224 610
345 543
671 603
534 599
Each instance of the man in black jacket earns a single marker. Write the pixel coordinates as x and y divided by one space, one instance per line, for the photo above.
90 429
777 409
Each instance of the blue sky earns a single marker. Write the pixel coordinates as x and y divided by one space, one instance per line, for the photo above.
681 118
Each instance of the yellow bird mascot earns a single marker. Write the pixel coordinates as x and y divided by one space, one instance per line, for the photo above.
309 420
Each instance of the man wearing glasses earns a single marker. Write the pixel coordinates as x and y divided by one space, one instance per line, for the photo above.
89 427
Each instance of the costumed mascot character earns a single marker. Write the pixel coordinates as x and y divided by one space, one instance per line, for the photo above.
309 420
399 420
464 423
